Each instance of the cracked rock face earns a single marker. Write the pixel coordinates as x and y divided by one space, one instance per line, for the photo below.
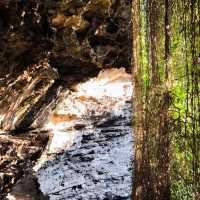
79 35
90 154
93 32
22 97
17 155
97 166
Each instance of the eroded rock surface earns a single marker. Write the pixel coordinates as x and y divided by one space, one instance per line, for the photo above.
27 189
93 33
22 97
17 155
78 36
90 153
97 166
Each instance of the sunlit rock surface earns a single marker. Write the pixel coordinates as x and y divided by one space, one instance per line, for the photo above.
95 98
91 130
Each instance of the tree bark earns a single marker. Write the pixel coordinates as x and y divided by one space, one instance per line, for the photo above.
151 117
138 187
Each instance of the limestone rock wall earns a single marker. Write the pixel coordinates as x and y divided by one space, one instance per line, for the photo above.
76 35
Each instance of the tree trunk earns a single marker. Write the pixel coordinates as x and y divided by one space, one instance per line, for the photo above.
138 189
151 118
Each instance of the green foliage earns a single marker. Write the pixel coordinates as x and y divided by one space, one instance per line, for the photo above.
185 134
181 190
